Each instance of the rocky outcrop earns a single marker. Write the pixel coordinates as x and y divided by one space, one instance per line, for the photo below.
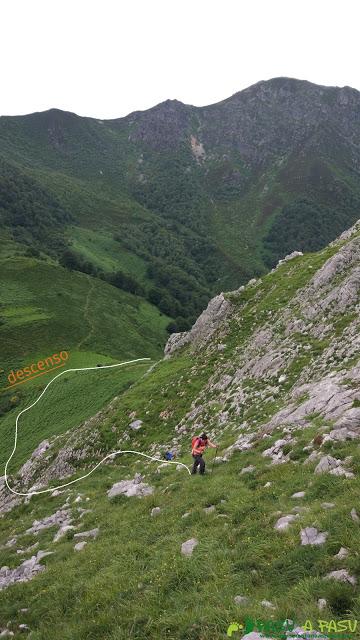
204 327
26 571
130 488
331 465
342 575
60 518
329 397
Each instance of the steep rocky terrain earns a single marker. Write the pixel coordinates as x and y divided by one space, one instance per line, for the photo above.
272 371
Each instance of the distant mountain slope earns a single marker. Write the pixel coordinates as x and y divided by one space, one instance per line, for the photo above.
212 194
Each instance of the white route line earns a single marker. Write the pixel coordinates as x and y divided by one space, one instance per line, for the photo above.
110 455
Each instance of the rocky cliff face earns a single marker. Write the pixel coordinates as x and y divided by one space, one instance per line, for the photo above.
268 120
301 356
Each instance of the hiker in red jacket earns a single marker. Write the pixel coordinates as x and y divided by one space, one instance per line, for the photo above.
199 445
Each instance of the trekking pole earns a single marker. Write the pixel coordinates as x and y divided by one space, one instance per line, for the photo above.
213 462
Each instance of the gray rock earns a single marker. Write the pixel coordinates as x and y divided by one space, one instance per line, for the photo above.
354 515
241 600
136 425
243 443
350 420
185 515
327 505
290 256
92 533
60 518
83 512
188 547
342 553
204 327
340 471
11 542
283 523
341 435
299 494
26 571
327 396
210 509
155 511
223 383
267 604
254 635
313 457
62 531
276 451
298 633
130 488
56 493
326 464
300 509
80 546
163 465
249 469
310 535
42 554
322 604
341 575
343 259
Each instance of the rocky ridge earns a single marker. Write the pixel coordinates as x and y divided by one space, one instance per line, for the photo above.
307 328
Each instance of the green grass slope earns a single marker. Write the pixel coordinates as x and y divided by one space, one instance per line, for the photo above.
132 581
46 309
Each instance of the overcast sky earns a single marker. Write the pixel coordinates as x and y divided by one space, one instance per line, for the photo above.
106 58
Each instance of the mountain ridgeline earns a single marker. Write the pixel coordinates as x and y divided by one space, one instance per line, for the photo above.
177 203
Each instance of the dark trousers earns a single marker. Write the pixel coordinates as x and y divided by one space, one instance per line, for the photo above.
198 462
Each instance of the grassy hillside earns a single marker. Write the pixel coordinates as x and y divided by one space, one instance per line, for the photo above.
46 309
132 581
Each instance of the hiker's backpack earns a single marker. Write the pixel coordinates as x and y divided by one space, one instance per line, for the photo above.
194 441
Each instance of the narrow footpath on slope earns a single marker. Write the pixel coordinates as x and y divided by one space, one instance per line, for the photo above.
87 317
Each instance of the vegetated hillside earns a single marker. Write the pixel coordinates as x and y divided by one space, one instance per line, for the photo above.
187 201
45 309
272 372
